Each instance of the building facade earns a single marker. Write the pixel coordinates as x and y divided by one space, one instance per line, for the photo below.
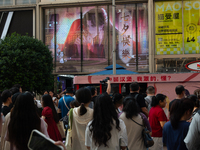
151 36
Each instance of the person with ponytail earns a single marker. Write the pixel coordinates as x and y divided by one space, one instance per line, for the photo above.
105 131
157 119
131 116
82 115
177 128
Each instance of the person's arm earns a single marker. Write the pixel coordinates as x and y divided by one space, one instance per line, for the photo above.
162 123
192 138
145 111
60 144
108 90
88 137
43 117
146 122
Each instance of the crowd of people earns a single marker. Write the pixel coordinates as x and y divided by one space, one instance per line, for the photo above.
105 121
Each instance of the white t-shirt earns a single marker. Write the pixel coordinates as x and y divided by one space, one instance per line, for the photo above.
113 143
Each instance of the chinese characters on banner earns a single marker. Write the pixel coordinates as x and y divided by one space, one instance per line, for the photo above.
168 23
121 79
125 38
191 27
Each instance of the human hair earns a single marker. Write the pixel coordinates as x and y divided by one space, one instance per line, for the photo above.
104 116
157 98
17 86
117 98
14 90
47 101
5 95
92 89
74 103
130 107
134 86
197 93
23 120
83 96
91 16
194 99
179 89
150 90
178 109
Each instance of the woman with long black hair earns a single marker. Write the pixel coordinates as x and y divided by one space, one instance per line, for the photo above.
134 121
176 129
50 116
105 131
23 120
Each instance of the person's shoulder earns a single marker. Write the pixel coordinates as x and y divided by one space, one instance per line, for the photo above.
167 125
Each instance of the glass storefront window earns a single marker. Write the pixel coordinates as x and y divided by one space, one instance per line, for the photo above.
80 38
68 32
131 44
19 2
6 2
170 65
95 38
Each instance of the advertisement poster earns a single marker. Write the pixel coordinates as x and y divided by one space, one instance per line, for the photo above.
80 38
191 12
168 25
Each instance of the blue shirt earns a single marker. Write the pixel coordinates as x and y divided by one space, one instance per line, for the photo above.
62 106
174 138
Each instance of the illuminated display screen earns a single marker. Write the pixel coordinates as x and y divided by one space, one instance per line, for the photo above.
67 28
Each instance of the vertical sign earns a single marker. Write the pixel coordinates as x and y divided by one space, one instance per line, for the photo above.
168 24
191 27
125 36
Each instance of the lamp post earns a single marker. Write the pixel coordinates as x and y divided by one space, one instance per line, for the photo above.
113 37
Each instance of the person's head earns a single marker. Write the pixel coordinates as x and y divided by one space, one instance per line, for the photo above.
104 117
93 90
134 86
90 22
51 93
70 91
46 92
47 101
181 109
150 90
180 90
197 93
117 99
23 120
6 97
130 107
195 100
83 96
159 99
19 87
14 90
74 103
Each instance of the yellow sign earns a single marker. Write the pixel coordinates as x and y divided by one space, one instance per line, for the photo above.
168 23
191 12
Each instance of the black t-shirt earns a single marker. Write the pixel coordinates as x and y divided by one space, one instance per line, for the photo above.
94 99
5 110
170 104
140 99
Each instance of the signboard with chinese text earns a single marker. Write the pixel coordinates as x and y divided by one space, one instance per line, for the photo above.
191 10
168 25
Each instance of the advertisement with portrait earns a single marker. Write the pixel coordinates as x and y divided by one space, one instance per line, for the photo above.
80 38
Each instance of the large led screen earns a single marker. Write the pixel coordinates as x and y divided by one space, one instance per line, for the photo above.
80 38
